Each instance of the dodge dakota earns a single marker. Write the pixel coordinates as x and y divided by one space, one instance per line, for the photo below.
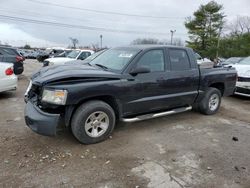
127 84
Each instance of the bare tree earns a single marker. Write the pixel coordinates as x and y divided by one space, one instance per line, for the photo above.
95 47
246 23
239 26
145 41
74 42
175 42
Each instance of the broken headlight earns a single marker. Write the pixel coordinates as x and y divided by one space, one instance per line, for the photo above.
55 96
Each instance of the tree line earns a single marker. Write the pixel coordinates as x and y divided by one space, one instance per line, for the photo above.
212 36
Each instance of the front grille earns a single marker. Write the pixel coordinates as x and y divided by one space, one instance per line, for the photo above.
243 79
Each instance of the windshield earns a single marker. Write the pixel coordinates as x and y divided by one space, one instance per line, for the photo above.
73 54
245 61
115 59
93 56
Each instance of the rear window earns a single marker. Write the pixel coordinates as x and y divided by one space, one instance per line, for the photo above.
9 51
179 60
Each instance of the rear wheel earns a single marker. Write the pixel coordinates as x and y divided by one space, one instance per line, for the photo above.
211 101
93 122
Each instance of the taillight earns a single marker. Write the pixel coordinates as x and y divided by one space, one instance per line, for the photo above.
9 71
19 58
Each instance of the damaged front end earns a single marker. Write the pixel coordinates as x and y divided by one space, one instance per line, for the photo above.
43 119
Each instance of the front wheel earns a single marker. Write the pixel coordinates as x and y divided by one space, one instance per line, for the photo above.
211 101
93 122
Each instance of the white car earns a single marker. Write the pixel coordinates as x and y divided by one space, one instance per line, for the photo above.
243 82
8 80
203 62
74 55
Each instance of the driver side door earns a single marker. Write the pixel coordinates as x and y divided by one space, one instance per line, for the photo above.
144 93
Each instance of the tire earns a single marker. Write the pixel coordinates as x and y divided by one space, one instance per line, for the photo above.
211 101
85 125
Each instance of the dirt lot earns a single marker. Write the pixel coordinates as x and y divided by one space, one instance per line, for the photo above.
182 150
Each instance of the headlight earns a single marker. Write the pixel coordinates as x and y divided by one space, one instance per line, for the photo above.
55 96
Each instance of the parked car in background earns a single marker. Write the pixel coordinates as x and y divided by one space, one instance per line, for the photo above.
28 53
74 55
88 59
8 80
130 84
11 55
243 82
232 60
203 62
49 52
63 54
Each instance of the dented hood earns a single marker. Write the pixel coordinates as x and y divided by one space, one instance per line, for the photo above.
56 73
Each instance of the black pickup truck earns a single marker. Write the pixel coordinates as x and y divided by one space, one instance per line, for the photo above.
126 83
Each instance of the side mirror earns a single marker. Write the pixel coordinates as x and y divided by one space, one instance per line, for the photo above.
139 70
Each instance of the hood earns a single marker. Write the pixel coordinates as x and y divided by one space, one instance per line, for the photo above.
59 60
243 70
73 71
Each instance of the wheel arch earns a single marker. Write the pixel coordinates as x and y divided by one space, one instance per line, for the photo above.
220 86
109 99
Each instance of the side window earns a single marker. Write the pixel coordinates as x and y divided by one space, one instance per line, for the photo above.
179 60
84 55
153 59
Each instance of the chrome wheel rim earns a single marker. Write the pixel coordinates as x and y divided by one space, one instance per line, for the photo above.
213 102
96 124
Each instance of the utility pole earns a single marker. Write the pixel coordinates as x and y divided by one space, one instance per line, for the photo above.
172 35
101 41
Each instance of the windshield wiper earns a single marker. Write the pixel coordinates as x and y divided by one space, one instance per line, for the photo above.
102 66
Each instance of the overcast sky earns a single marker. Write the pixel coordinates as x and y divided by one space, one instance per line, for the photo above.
160 16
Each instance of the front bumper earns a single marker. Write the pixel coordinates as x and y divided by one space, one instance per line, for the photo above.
41 122
243 89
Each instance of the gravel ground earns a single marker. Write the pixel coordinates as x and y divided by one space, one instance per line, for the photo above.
182 150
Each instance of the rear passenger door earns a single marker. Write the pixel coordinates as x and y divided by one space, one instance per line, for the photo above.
182 79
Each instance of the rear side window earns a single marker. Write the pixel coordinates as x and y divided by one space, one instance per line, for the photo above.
179 60
153 59
84 55
9 51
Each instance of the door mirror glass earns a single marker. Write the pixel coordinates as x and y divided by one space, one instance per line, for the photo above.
140 70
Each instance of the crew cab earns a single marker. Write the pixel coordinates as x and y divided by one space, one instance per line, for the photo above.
127 84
